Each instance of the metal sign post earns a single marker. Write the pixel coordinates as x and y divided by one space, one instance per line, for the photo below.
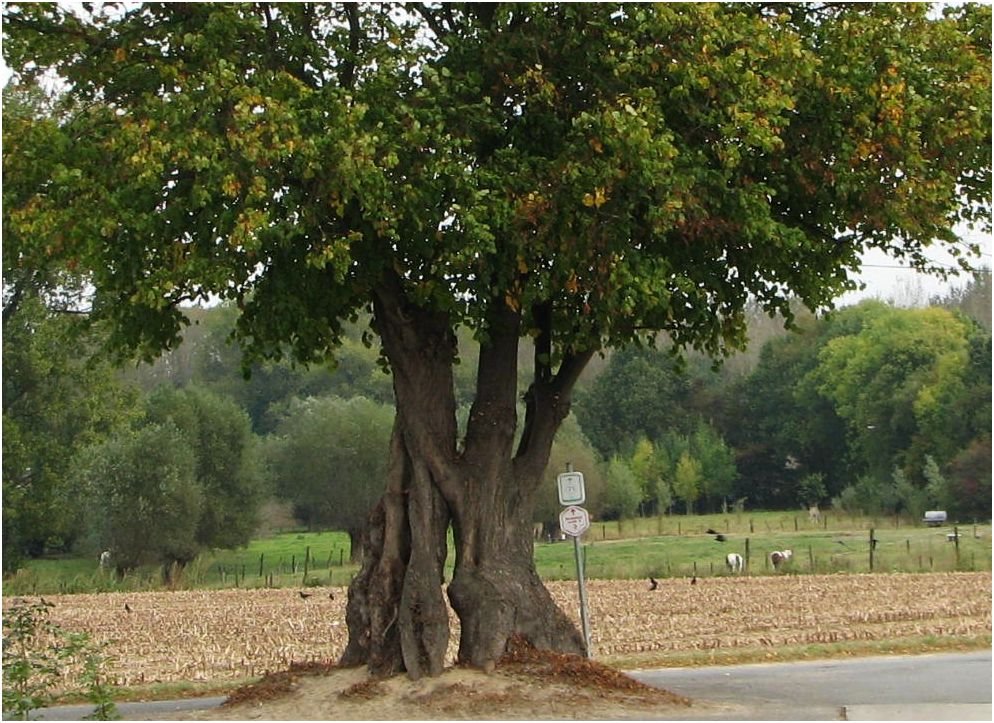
574 521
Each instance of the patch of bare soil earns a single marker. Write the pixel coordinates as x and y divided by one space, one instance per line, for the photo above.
527 684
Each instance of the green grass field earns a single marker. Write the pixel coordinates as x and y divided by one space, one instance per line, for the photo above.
672 546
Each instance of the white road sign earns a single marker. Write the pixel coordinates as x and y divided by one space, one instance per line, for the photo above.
574 521
571 490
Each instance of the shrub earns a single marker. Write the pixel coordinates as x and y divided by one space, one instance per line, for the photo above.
36 656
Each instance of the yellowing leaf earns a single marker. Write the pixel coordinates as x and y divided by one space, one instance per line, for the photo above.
596 199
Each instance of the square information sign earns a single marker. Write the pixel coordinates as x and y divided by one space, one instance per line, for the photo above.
571 491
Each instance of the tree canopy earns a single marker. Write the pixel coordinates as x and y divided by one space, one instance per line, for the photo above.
620 169
576 175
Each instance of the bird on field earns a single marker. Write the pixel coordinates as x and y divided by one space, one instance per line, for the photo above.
719 538
331 596
304 595
653 584
710 531
127 608
693 580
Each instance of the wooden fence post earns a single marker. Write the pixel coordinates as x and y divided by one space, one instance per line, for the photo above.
261 555
873 544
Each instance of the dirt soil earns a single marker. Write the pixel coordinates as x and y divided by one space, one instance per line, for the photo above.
526 685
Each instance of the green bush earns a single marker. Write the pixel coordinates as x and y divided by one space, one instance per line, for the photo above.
38 653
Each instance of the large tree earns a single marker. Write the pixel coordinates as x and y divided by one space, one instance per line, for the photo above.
574 175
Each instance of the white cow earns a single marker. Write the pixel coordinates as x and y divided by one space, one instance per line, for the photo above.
779 557
105 560
734 562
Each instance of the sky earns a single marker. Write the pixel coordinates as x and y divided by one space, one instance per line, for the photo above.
887 279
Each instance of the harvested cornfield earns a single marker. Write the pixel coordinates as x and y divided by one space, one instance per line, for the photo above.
771 612
217 636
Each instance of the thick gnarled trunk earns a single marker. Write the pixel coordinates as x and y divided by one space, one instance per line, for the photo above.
496 591
396 613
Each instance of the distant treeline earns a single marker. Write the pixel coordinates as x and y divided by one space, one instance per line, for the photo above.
873 408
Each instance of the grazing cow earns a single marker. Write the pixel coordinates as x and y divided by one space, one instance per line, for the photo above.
779 557
814 514
734 562
105 560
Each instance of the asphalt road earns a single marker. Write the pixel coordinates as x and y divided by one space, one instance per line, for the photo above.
922 687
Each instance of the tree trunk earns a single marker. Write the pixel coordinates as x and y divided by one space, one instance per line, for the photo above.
495 590
396 612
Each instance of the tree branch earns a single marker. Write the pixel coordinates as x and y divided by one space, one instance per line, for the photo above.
493 417
347 75
429 17
547 404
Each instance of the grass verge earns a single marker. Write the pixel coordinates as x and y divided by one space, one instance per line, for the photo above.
795 653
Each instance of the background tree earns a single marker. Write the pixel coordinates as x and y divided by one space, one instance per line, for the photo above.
228 467
973 299
327 457
717 461
811 490
54 403
687 480
649 472
969 480
577 175
636 395
791 429
143 500
199 488
622 491
888 381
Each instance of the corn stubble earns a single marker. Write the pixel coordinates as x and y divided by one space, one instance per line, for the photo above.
231 635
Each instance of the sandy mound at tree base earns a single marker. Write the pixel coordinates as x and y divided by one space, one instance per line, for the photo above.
527 685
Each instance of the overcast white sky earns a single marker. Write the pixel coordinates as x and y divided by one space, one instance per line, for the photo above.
887 279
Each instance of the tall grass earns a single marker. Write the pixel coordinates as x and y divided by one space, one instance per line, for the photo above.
672 546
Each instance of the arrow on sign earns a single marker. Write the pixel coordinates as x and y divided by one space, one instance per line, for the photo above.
574 521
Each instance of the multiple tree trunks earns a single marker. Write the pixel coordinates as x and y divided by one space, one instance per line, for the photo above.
396 614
